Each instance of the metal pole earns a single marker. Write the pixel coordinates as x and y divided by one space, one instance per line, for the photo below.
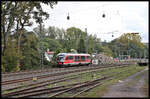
128 48
86 40
144 54
41 48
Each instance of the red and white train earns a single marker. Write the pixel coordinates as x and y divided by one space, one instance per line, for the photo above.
69 59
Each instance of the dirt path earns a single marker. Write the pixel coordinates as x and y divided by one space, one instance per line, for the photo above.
130 87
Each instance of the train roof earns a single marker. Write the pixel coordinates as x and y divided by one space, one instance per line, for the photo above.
73 54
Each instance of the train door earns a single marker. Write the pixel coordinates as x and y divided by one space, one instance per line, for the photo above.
77 60
83 60
88 59
69 60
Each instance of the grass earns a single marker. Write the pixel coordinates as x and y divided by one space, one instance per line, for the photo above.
102 89
92 75
81 77
5 92
136 78
146 86
88 76
21 85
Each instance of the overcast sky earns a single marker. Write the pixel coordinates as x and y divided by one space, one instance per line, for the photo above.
121 17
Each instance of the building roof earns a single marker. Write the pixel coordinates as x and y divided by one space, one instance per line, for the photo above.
50 52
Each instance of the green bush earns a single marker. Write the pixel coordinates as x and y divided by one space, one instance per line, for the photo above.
30 54
10 58
2 68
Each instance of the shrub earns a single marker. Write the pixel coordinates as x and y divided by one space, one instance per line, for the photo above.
10 58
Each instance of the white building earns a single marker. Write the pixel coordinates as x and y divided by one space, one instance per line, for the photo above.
49 55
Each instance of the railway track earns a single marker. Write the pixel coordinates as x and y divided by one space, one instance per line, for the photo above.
60 89
24 75
44 83
50 72
101 81
38 71
34 72
53 74
31 87
90 85
38 77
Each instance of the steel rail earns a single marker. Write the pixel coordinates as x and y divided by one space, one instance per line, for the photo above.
43 76
16 93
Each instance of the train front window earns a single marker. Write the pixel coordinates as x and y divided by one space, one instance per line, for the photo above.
60 58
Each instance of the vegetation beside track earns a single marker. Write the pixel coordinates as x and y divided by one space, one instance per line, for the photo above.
101 89
91 75
68 76
87 76
146 86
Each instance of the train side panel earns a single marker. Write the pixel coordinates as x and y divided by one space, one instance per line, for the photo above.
75 59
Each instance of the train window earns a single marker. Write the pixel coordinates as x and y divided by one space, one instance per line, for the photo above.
82 58
69 58
76 58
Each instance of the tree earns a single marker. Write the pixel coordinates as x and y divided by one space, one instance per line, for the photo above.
43 33
51 32
30 51
10 60
94 44
81 46
128 44
51 44
16 15
7 22
73 36
90 44
107 50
